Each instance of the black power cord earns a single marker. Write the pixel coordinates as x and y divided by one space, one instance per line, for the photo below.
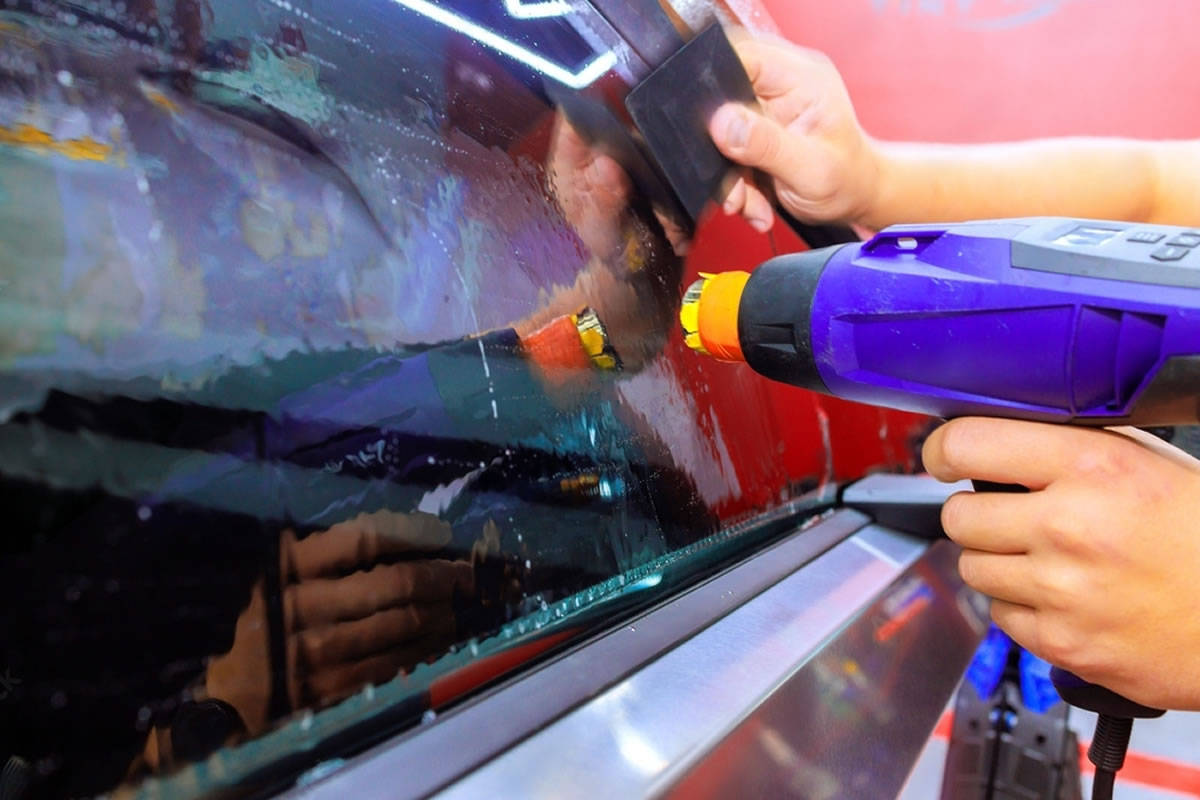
1107 753
1113 726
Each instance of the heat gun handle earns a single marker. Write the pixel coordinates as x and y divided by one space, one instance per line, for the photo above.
1090 697
989 486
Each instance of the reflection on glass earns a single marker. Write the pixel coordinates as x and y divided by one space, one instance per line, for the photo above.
332 377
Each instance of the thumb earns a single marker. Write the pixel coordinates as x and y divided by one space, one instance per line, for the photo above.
751 139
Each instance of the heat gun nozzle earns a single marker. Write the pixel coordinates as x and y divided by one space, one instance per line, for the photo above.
709 315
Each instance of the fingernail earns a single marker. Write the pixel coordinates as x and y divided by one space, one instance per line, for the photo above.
729 207
760 225
736 126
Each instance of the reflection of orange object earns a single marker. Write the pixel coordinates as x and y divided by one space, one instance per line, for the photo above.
31 138
158 98
569 344
710 315
556 347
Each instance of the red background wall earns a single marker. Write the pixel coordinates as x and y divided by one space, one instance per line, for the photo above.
980 70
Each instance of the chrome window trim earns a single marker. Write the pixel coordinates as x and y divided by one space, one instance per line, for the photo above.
646 736
423 761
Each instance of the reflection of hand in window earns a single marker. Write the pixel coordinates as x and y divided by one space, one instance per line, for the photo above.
350 619
633 281
595 193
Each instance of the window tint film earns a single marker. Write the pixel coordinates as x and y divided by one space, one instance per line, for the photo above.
339 376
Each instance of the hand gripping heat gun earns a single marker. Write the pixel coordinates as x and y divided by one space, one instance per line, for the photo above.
1057 320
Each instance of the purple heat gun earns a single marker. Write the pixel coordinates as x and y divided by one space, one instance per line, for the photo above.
1058 320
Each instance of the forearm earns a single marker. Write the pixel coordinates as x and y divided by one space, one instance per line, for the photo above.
1137 181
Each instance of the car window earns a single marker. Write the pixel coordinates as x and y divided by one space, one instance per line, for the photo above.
339 376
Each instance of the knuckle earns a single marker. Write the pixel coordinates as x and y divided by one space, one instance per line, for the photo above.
1063 529
1059 588
1056 652
1062 646
1104 460
312 645
401 583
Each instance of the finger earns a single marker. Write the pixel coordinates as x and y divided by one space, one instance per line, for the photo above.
319 602
337 683
1001 577
1019 622
354 543
317 648
993 522
608 186
736 200
753 139
1030 454
758 211
775 66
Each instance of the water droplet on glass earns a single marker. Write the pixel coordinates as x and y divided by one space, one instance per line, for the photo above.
528 564
474 647
144 513
428 717
306 721
66 78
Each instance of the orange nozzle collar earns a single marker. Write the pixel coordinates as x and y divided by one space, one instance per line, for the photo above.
710 315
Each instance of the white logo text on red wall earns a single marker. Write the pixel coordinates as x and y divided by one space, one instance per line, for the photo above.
974 14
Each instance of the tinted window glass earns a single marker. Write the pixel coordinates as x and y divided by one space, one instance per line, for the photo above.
339 375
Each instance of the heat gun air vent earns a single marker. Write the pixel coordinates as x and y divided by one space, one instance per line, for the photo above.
1114 352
